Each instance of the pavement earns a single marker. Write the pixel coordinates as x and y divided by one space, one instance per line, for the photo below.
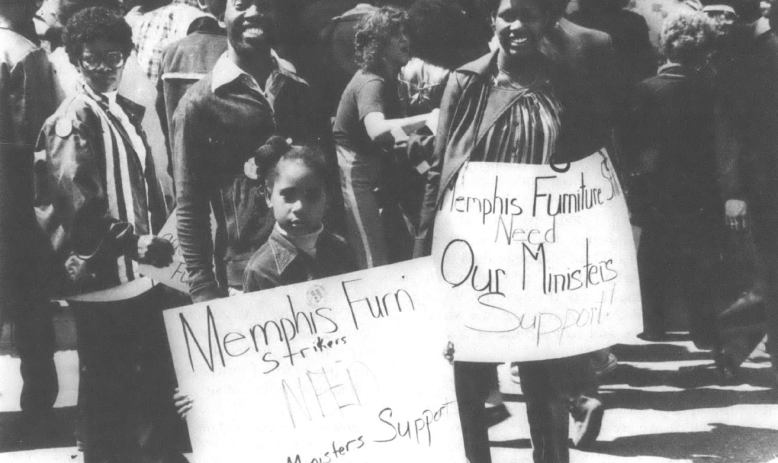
664 404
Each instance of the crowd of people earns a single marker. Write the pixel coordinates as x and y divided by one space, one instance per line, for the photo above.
319 136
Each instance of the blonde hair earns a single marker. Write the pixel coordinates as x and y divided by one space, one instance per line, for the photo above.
687 37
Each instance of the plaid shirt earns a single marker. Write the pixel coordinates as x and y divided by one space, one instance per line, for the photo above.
159 28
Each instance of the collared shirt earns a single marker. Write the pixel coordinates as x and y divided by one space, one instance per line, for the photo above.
132 132
217 127
225 71
279 263
159 28
761 26
671 69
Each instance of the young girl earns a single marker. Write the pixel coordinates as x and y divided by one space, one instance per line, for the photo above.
299 249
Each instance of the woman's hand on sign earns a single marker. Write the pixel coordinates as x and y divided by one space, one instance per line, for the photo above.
183 403
154 250
736 212
77 270
449 352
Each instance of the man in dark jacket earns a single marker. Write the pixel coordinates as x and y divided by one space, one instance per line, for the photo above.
26 100
249 96
747 149
187 61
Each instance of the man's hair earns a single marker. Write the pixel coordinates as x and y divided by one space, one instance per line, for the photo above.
92 24
438 30
373 34
687 37
554 8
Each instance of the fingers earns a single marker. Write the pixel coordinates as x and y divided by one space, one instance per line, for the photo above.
183 403
449 352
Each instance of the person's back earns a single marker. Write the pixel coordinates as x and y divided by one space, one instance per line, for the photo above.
159 28
184 63
629 33
751 94
26 100
676 116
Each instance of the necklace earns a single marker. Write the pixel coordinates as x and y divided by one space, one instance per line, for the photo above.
503 78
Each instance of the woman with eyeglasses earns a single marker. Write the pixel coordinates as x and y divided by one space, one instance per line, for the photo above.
99 201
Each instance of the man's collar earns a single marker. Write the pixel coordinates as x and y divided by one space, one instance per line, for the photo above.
133 110
225 71
760 27
671 68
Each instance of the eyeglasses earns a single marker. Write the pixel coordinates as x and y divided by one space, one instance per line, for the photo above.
113 61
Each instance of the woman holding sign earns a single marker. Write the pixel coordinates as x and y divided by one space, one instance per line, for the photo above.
540 98
99 201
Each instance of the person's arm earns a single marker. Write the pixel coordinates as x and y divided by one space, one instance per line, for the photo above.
76 200
423 245
729 150
256 280
381 130
193 212
370 106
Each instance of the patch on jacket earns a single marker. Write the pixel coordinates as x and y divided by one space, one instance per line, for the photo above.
64 127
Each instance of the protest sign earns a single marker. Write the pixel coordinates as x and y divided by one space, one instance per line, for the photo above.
348 368
175 274
536 261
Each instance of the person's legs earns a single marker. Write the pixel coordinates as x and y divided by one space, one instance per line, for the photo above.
359 178
652 268
34 342
33 335
472 386
104 383
546 413
700 252
765 228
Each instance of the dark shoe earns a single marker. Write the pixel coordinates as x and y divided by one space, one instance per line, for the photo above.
587 413
653 336
610 364
726 369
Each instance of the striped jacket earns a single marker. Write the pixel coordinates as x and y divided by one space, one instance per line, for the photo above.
93 195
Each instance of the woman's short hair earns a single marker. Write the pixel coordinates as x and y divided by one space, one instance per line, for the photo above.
67 8
92 24
373 34
687 37
438 30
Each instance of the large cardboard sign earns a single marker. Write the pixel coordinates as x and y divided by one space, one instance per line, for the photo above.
346 369
536 261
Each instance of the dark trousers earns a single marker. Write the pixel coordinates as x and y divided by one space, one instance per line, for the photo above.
690 251
547 385
765 227
33 334
126 383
